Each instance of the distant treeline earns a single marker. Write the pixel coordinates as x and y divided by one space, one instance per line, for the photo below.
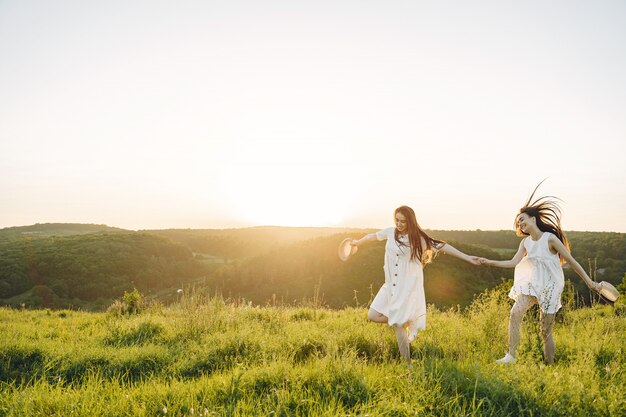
64 271
55 229
71 266
243 243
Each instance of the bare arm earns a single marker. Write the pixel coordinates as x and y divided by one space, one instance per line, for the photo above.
451 250
557 245
366 238
521 251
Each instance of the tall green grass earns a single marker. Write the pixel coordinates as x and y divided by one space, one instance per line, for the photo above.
208 356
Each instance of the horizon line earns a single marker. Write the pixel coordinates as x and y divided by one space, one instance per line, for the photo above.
269 226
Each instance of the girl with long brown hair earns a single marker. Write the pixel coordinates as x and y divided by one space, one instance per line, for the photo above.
538 277
400 302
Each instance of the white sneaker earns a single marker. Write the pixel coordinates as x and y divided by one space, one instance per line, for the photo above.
508 358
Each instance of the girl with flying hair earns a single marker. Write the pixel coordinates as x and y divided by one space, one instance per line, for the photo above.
538 277
400 302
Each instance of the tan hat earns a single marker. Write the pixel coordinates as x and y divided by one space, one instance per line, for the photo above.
346 249
608 292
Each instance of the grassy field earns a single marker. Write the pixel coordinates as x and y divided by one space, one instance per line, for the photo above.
207 356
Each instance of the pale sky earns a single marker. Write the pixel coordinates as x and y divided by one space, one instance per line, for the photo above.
214 114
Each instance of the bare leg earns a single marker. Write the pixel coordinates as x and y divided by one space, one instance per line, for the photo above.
401 336
403 343
376 317
519 309
547 322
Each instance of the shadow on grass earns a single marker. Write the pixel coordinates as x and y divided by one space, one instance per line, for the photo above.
220 358
21 364
494 397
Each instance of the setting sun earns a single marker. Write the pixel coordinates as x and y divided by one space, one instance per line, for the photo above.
307 190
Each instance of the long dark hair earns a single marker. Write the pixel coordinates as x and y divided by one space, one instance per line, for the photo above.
547 214
419 252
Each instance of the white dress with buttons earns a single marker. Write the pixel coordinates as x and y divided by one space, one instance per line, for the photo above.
401 298
539 274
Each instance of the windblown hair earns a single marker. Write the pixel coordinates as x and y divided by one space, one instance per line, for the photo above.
421 245
547 214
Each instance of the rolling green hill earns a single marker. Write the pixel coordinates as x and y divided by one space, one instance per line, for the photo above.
309 269
90 270
246 242
55 229
87 266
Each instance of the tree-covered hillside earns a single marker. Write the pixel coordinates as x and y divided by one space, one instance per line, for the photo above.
75 268
246 242
55 229
61 271
312 269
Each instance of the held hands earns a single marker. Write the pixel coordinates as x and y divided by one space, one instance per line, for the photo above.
477 260
485 261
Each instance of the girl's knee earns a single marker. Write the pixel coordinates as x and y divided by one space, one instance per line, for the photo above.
375 316
371 315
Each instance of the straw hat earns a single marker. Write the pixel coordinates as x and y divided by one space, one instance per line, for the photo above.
346 249
608 292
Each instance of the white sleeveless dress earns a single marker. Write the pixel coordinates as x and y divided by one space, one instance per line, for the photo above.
401 298
539 274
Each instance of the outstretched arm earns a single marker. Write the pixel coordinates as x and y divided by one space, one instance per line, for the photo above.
559 247
451 250
507 264
366 238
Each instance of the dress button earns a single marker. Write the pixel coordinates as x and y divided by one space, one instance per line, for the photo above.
396 264
396 274
394 285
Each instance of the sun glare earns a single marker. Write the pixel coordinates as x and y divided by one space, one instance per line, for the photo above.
283 183
286 196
